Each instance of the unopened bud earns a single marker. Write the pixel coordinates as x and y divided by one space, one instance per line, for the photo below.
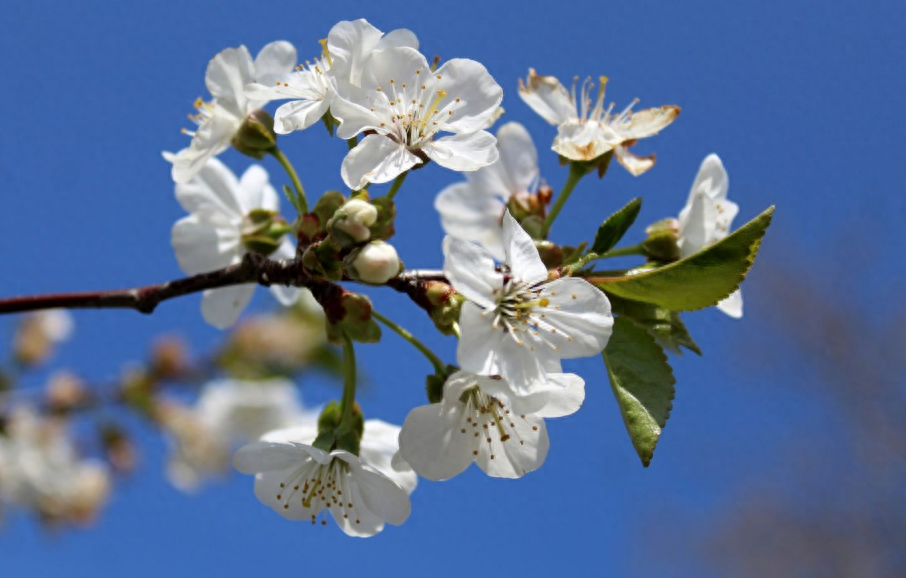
375 263
65 392
263 231
661 244
256 135
351 223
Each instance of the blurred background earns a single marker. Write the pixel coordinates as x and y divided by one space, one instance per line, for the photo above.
785 454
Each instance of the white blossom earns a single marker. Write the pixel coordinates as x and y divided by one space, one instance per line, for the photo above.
41 470
483 420
472 210
354 218
515 322
300 482
585 132
376 263
311 87
707 218
404 105
211 237
218 120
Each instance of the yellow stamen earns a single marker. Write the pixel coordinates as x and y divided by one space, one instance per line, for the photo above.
433 110
325 51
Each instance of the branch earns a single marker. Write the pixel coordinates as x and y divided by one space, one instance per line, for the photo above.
253 268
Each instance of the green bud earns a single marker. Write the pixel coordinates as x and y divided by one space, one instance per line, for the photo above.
384 227
551 254
354 320
322 259
256 135
446 316
326 206
661 244
263 230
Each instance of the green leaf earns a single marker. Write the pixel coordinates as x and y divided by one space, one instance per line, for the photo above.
664 325
700 280
642 382
613 229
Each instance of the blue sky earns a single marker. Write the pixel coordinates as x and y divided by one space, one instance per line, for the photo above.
803 104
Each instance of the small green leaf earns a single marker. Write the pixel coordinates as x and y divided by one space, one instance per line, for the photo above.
700 280
664 325
572 254
642 382
613 229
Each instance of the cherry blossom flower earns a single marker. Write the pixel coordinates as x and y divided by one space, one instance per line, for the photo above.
218 120
41 470
707 218
482 420
213 235
472 210
361 493
311 87
515 322
404 106
586 132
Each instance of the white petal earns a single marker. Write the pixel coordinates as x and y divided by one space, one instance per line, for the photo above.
463 152
399 64
518 157
523 452
211 138
635 164
698 222
479 94
581 315
488 351
376 159
383 497
472 216
567 399
226 77
267 456
432 443
398 37
275 58
380 450
201 247
712 179
211 193
521 254
470 269
350 44
732 305
299 114
649 122
583 140
353 116
256 192
222 307
547 97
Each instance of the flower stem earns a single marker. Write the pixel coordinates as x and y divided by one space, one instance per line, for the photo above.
621 252
288 167
347 403
576 172
397 183
434 359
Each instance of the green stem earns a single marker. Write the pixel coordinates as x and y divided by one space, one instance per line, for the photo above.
397 183
621 252
288 167
576 172
434 359
347 402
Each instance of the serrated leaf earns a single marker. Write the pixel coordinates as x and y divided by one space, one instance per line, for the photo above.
664 325
642 381
700 280
616 225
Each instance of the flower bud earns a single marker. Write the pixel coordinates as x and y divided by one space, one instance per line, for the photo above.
350 224
551 254
256 135
38 333
375 263
65 392
263 230
661 244
169 359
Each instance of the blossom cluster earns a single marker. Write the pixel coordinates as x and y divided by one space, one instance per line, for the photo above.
520 305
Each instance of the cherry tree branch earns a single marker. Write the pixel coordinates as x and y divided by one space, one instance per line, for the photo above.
253 268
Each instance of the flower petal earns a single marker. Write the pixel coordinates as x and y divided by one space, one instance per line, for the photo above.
649 122
732 305
398 37
470 269
256 192
523 452
635 164
212 193
432 443
350 44
547 97
478 93
300 114
275 58
263 456
580 313
201 247
226 77
583 140
521 254
697 223
712 179
222 307
565 400
376 159
211 138
380 450
472 216
463 152
383 497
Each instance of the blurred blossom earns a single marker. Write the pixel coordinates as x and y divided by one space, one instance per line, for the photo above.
41 470
39 332
274 344
169 357
198 453
65 391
